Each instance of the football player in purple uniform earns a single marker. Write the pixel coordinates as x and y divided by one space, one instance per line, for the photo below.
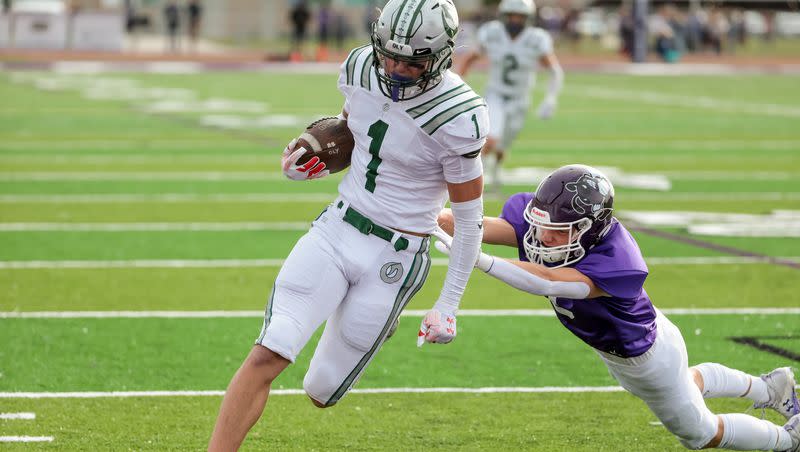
573 251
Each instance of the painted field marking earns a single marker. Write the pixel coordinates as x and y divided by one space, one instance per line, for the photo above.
43 176
172 226
14 416
217 393
173 197
678 100
246 263
322 197
406 313
26 439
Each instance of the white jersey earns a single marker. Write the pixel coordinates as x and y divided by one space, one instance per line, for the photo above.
407 151
513 62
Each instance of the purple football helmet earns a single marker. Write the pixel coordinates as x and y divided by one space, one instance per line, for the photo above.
575 199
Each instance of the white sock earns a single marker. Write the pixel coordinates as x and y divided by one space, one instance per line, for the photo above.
743 432
721 381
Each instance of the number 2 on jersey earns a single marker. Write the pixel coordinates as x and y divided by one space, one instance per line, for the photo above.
376 131
510 63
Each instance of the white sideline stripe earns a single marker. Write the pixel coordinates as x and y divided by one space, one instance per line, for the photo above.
406 313
488 390
25 416
194 226
322 197
245 263
26 439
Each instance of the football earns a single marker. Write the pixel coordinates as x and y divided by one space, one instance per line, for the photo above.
330 140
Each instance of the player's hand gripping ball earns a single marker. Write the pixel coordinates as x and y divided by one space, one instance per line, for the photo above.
324 148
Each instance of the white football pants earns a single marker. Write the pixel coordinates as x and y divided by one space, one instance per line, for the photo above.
661 378
358 283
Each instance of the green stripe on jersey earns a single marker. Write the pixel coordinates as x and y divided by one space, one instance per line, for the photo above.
425 107
446 116
350 65
366 72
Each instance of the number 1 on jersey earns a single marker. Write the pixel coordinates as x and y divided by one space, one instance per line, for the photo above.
376 131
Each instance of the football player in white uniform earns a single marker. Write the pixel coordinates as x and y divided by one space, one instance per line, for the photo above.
418 131
515 51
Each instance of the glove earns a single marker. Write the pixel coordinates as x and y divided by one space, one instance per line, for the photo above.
312 169
547 108
438 327
444 242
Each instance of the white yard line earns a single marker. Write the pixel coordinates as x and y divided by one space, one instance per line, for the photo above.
108 176
678 100
177 226
172 197
406 313
18 416
213 393
26 439
322 197
246 263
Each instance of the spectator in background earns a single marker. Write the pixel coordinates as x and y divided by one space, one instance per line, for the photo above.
324 23
718 27
626 30
341 29
172 21
299 16
737 34
195 12
694 30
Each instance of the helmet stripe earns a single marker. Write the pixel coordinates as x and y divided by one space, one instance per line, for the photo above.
413 19
397 19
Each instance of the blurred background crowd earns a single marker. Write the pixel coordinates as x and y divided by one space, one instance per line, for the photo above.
302 30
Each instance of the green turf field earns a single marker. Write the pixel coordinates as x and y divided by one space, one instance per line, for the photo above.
107 206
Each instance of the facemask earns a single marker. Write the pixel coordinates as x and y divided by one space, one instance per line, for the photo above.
514 29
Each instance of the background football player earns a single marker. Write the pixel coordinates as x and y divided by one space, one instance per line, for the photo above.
418 131
575 252
516 51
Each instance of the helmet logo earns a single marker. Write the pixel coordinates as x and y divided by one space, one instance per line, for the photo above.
449 20
590 193
391 272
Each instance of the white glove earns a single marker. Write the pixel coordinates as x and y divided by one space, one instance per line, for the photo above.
312 169
438 327
484 262
547 108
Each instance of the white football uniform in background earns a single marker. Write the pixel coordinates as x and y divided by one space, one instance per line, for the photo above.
405 153
512 75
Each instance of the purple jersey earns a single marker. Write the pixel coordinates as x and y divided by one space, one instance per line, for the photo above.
622 324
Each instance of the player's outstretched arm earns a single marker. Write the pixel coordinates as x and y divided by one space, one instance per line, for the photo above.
529 277
548 106
496 231
439 324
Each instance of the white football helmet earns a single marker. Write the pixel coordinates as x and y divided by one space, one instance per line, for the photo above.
418 32
524 7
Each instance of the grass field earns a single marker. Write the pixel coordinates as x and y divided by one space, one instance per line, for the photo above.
115 195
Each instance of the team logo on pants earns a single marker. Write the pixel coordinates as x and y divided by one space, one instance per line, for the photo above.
391 272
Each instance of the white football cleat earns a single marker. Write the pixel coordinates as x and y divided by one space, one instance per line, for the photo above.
782 397
793 427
